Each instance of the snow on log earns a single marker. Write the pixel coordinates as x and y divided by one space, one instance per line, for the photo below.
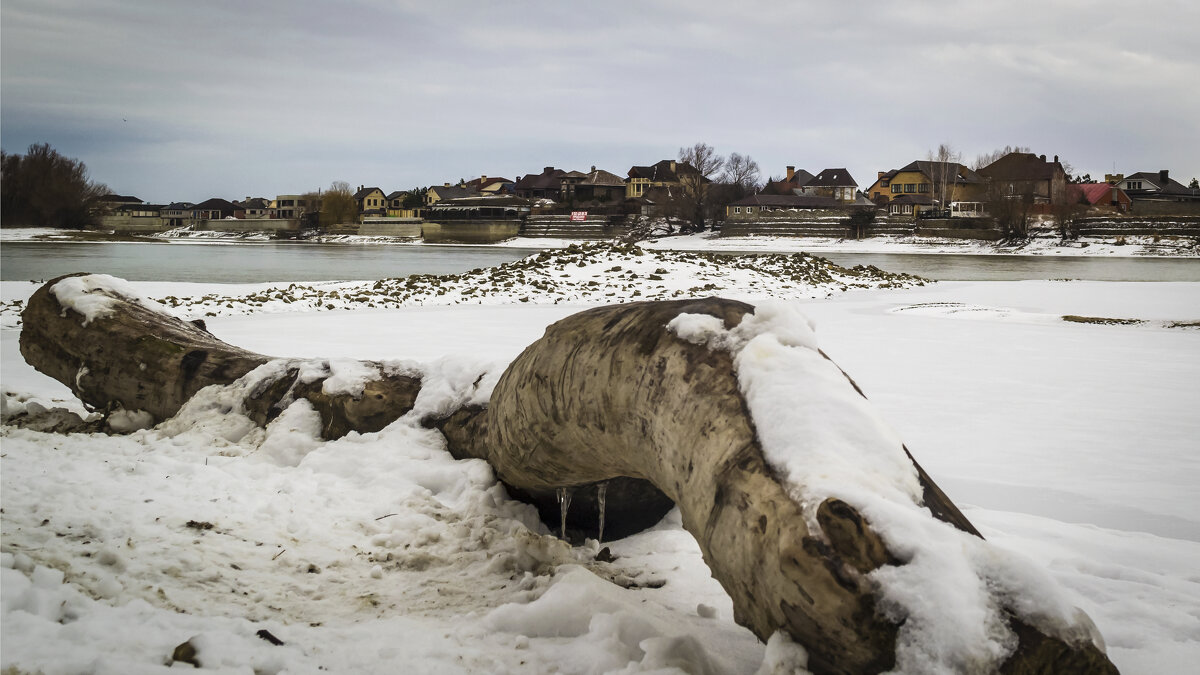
129 357
807 507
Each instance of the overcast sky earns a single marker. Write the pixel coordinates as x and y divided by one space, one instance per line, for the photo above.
185 100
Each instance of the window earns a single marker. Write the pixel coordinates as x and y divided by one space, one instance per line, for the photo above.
897 188
924 187
910 187
883 183
737 209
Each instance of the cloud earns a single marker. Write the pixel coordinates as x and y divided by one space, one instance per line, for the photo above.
166 98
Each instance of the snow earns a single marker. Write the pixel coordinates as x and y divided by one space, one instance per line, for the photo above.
1070 446
94 295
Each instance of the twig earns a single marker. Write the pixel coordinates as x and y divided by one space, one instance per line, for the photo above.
279 554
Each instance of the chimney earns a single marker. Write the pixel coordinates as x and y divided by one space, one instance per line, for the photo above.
880 174
791 173
445 185
672 165
593 168
1163 177
1056 159
483 179
548 169
1042 157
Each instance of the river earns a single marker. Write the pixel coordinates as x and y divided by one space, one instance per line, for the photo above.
298 261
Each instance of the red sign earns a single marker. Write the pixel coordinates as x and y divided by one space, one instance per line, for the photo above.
578 216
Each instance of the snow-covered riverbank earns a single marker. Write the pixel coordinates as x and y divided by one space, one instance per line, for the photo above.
1070 443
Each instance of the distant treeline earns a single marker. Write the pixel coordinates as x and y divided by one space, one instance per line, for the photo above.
44 189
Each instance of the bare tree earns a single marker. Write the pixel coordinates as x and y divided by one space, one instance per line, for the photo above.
989 157
338 205
742 171
1068 212
943 173
45 189
697 167
1010 208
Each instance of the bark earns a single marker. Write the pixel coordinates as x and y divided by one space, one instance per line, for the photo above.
606 395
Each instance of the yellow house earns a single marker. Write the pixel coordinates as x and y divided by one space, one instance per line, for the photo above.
661 174
927 183
371 201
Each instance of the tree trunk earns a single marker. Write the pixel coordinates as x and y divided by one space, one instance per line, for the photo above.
608 394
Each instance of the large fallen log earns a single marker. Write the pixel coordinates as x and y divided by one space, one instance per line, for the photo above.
614 395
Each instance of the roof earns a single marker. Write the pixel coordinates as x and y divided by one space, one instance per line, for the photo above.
832 178
788 201
574 174
922 200
215 204
253 203
179 206
1170 186
1022 166
931 168
1096 193
549 179
122 199
600 177
363 192
452 192
661 171
486 181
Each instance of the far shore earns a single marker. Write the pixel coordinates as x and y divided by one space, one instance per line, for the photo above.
1040 243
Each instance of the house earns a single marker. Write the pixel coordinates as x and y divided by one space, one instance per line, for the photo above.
213 209
791 184
113 203
1026 174
446 191
927 184
371 201
544 185
835 183
396 208
765 203
1154 186
663 174
1100 195
176 214
291 207
252 207
599 185
567 183
488 186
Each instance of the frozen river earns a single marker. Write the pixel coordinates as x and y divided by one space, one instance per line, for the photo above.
254 262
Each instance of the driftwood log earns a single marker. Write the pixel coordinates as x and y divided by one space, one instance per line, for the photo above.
606 395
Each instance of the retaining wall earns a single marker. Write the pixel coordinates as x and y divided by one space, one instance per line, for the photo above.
122 223
250 225
562 227
470 232
409 227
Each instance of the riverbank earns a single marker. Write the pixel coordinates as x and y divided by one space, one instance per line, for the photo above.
1042 242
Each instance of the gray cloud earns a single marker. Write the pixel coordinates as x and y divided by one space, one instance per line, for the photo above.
181 100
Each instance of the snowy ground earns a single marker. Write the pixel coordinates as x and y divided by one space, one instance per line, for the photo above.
1071 443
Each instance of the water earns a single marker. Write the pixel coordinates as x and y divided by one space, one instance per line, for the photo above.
299 261
1021 267
243 262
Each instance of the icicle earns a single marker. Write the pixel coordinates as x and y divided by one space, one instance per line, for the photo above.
564 504
601 491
